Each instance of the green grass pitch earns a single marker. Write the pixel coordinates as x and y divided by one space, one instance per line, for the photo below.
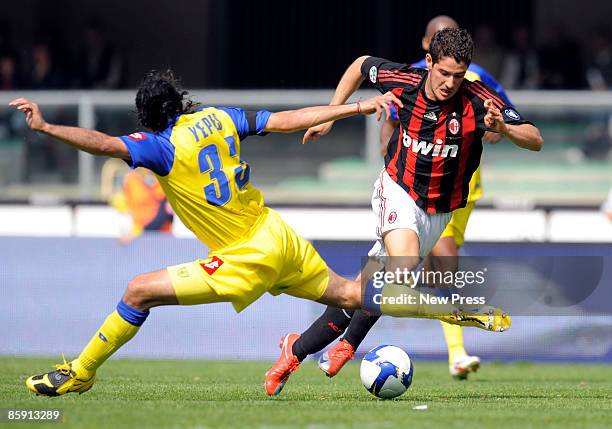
211 394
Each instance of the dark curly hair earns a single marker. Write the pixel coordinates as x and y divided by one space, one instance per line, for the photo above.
452 42
160 98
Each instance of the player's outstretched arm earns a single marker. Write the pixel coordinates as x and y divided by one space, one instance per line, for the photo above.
90 141
349 83
526 136
295 120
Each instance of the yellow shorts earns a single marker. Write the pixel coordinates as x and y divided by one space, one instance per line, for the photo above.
458 223
273 258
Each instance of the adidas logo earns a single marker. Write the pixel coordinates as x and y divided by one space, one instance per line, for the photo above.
431 116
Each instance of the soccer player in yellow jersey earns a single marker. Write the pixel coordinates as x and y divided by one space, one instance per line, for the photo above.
195 154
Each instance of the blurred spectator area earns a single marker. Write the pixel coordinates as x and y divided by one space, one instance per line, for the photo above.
228 46
573 169
218 44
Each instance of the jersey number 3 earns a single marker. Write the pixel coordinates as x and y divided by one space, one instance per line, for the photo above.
210 164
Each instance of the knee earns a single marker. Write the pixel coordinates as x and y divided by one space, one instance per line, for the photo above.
400 264
352 300
136 293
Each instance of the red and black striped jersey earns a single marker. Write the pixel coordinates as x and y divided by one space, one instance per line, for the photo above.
437 146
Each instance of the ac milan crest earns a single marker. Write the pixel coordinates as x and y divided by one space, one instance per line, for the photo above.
392 217
453 126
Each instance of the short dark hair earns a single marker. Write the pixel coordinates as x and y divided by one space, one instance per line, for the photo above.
452 42
160 98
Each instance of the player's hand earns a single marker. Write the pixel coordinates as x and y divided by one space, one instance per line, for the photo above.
314 133
379 104
491 137
33 117
494 119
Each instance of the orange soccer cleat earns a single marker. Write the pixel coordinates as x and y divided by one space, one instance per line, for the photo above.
287 363
332 361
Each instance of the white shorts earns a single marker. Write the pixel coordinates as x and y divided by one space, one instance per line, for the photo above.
395 209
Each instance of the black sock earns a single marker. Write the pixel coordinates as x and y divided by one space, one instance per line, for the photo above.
322 332
360 325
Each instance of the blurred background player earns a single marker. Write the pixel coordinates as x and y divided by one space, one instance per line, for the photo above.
606 207
142 197
443 257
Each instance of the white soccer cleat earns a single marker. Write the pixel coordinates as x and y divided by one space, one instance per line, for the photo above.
463 365
332 361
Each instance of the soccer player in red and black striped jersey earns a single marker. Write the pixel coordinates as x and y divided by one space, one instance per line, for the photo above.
437 147
433 153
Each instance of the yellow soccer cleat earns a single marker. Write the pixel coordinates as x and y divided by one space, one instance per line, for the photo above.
59 382
485 317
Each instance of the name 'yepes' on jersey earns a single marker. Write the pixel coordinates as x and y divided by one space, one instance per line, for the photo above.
197 162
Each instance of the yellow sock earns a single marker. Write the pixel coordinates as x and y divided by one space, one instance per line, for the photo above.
454 341
114 332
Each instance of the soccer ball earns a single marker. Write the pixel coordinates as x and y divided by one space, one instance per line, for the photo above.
386 371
